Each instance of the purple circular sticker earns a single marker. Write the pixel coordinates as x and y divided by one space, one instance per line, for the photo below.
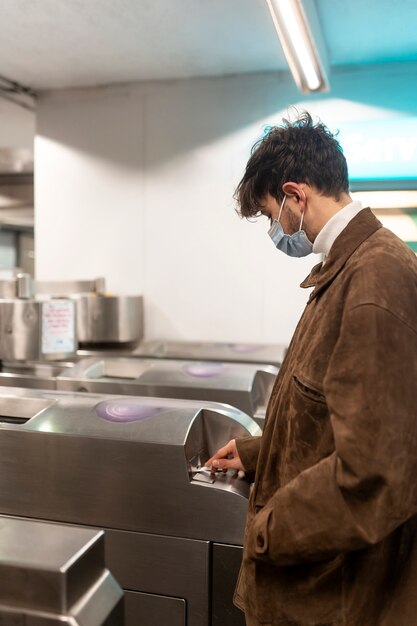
129 410
204 370
244 347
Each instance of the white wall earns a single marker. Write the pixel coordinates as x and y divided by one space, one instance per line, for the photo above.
135 183
89 188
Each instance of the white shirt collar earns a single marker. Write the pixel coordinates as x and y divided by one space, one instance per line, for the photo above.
332 229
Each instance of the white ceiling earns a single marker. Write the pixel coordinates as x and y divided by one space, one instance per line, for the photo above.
61 43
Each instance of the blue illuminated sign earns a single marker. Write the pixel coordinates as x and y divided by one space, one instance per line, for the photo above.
380 149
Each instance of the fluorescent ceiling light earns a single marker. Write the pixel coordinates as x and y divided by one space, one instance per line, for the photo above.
299 46
387 200
401 224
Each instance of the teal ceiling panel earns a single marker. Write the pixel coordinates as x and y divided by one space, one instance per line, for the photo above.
369 31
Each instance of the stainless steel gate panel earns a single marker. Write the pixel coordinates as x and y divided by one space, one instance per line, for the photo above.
109 319
245 386
28 381
37 330
273 354
32 374
147 609
17 410
101 318
28 547
225 571
134 466
167 566
53 574
92 610
77 462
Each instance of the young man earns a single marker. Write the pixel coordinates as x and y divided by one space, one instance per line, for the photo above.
331 536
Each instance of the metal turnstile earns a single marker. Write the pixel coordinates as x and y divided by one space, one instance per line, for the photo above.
32 374
245 386
134 467
273 354
53 575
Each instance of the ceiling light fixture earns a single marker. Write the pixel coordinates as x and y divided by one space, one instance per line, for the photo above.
394 200
300 48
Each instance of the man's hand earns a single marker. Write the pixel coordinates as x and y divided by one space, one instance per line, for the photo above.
226 457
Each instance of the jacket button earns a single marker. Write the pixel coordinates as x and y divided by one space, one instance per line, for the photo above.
260 540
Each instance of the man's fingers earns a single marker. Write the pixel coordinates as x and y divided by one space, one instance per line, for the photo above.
221 453
225 464
225 458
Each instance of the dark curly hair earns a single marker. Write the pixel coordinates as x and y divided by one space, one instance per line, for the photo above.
299 151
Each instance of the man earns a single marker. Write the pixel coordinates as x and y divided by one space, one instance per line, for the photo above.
331 536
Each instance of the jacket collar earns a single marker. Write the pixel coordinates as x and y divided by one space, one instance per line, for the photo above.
362 226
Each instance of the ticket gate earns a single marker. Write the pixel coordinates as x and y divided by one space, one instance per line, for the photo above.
242 385
224 352
134 467
53 575
32 374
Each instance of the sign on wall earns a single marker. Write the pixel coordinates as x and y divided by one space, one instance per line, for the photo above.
380 149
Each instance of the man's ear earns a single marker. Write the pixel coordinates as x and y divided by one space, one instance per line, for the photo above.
295 191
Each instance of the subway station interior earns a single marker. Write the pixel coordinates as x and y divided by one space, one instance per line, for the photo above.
143 324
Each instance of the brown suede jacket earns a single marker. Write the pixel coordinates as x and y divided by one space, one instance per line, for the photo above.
331 536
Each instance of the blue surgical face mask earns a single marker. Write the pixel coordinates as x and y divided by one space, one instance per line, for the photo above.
296 245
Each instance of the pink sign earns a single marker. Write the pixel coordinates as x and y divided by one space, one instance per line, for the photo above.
58 326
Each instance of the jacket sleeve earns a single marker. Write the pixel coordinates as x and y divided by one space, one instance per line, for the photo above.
368 486
248 449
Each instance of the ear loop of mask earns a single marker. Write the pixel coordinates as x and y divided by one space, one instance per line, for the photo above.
280 211
302 219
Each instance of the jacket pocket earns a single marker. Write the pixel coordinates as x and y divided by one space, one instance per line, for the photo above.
309 432
307 402
309 390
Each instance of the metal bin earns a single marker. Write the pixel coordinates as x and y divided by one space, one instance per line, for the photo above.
102 318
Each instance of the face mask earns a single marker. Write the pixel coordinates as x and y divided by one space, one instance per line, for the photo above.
296 245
